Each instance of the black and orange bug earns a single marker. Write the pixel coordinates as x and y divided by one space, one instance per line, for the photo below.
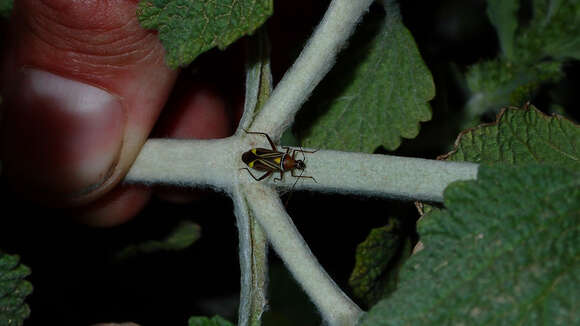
272 160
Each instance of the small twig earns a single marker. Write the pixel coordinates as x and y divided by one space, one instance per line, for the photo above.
314 62
335 306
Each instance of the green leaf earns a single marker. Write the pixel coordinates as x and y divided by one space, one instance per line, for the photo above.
553 31
6 8
377 263
288 304
503 16
498 83
204 321
13 291
504 251
188 28
521 136
376 94
183 236
532 56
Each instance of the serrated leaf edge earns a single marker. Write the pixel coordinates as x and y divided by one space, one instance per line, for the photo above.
527 107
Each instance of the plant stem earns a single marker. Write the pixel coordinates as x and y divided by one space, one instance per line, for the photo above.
216 163
188 163
253 251
335 306
253 246
380 175
311 66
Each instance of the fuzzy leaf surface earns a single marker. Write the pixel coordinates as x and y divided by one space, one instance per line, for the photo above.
376 93
377 261
498 83
534 55
553 31
503 16
521 136
13 291
504 251
183 236
6 8
205 321
188 28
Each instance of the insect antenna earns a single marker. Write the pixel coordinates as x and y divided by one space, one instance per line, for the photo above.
303 156
295 182
292 189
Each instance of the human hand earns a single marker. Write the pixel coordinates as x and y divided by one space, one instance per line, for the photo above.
83 85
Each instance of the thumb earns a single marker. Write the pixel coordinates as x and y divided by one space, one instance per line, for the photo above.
83 85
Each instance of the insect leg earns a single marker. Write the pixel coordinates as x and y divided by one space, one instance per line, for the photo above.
267 137
298 150
281 176
301 150
302 176
265 175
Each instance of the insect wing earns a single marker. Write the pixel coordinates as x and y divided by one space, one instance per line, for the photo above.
266 165
266 153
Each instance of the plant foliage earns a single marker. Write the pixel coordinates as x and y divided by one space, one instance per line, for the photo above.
6 8
521 136
13 291
189 28
376 94
377 262
183 236
504 251
205 321
532 52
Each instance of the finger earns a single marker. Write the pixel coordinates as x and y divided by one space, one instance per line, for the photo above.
116 207
199 112
83 85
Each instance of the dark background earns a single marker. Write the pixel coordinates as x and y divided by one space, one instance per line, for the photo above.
78 281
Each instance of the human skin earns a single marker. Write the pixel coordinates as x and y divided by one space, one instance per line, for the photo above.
83 86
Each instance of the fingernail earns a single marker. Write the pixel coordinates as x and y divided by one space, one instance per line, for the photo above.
60 137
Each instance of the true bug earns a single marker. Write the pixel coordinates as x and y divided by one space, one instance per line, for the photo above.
272 160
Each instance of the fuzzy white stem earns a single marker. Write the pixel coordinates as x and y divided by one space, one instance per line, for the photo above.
314 62
189 163
379 175
335 306
253 262
252 240
217 163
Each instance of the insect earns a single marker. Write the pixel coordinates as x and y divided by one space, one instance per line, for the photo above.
272 160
